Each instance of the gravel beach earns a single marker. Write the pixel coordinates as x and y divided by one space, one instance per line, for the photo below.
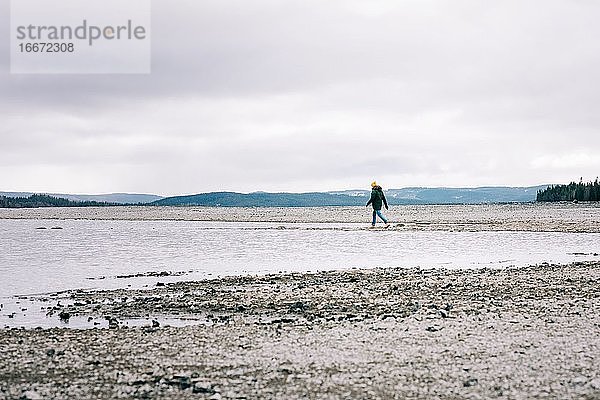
515 333
529 217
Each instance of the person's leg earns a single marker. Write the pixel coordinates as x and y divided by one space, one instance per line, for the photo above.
374 217
384 219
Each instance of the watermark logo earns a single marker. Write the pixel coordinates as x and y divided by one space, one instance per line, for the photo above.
80 36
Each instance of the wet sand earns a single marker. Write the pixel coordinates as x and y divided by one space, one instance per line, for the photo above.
384 333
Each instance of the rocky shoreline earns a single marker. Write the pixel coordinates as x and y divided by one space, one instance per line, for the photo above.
384 333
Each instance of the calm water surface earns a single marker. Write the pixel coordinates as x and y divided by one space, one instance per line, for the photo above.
93 253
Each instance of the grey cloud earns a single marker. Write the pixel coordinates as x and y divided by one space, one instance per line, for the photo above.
276 94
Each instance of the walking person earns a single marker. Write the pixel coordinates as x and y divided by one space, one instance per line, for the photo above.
377 198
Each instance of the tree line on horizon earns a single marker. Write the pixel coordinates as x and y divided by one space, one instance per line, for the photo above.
44 200
589 191
581 191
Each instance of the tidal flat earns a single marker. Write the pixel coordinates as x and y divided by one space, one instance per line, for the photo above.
508 333
263 303
529 217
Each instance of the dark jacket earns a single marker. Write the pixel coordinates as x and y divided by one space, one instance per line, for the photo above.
377 197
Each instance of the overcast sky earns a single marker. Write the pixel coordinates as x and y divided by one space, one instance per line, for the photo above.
281 95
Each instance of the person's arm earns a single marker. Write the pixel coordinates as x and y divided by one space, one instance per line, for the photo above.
370 200
384 200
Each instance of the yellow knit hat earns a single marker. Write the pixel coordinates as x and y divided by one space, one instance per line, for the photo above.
374 183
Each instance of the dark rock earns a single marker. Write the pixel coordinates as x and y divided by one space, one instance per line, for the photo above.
160 284
299 306
416 306
283 321
50 352
184 382
444 313
64 316
155 323
433 328
470 382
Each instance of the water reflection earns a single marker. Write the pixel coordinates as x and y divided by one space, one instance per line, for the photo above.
93 253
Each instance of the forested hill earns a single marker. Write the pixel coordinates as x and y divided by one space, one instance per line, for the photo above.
113 198
42 200
357 197
411 195
262 199
581 191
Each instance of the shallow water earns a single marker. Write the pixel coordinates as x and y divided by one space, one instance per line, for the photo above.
98 253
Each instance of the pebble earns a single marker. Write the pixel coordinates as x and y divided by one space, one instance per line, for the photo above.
31 395
470 382
579 380
203 387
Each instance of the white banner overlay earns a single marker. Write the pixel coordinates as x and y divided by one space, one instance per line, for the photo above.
80 36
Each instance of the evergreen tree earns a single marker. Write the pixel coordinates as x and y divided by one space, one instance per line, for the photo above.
581 191
43 200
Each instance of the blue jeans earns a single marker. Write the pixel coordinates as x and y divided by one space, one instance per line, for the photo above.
378 213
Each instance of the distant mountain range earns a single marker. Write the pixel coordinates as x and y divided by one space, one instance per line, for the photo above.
119 198
412 195
492 194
